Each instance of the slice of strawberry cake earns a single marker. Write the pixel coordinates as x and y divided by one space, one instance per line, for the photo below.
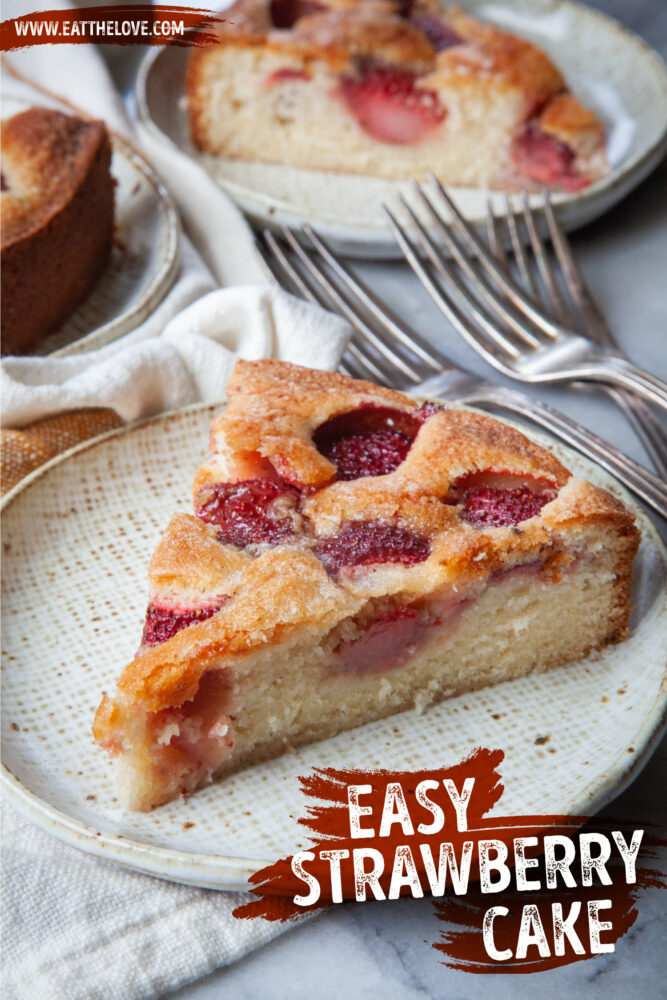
389 88
352 554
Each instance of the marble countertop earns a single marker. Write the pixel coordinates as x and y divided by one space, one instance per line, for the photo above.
379 950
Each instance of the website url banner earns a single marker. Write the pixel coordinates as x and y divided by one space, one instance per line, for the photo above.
124 24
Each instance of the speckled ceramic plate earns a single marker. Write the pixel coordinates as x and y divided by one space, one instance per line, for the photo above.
77 538
612 70
144 257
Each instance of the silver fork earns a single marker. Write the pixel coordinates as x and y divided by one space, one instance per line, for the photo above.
385 350
576 303
579 300
494 314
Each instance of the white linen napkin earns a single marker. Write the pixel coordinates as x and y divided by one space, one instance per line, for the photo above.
166 364
75 928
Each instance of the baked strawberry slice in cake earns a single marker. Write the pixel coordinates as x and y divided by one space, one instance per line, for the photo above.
352 554
390 89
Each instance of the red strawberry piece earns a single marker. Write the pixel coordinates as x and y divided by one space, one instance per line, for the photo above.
487 507
370 441
427 410
364 543
404 7
163 623
546 160
288 74
440 35
285 13
376 453
244 465
247 512
386 644
388 104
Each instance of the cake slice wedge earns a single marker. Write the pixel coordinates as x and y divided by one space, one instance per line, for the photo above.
354 553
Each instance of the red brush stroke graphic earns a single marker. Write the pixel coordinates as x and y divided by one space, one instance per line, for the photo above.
461 942
148 25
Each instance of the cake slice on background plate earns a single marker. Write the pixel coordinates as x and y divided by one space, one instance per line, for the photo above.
389 89
57 220
354 553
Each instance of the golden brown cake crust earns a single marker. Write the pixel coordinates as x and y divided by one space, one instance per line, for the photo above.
45 155
567 119
189 551
57 220
338 36
342 32
274 408
494 54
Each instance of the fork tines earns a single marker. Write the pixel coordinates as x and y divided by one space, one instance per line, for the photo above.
473 288
382 348
529 313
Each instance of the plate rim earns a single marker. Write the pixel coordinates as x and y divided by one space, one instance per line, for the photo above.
225 873
575 209
160 282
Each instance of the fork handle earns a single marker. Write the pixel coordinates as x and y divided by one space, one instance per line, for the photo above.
646 426
634 476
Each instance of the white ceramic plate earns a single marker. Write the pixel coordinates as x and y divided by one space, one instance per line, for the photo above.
144 257
77 538
612 70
